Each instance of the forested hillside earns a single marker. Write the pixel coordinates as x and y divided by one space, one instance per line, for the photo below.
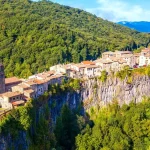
36 35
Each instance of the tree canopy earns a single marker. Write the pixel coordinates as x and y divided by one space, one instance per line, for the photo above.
118 128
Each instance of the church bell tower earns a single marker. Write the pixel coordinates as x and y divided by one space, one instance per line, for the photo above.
2 79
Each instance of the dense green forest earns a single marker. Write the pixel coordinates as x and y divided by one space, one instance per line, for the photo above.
117 128
36 35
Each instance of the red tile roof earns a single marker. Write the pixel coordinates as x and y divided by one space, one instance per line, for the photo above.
127 56
11 94
39 81
147 55
16 103
30 82
87 63
12 80
22 85
29 91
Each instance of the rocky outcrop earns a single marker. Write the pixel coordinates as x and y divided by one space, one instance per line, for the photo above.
99 93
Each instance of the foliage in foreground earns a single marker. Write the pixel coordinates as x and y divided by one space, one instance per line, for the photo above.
68 125
110 128
103 76
19 119
118 128
70 85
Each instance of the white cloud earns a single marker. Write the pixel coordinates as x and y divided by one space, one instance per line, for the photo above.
118 10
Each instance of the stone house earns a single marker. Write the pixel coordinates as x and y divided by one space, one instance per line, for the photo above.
130 59
145 51
73 73
63 69
122 64
55 79
104 64
37 86
79 68
10 82
11 99
108 54
136 57
126 55
91 71
122 53
42 75
114 64
25 90
58 68
144 58
115 54
20 88
28 94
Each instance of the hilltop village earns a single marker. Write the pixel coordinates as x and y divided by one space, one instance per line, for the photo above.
16 92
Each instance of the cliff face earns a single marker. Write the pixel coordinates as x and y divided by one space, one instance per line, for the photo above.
93 92
97 93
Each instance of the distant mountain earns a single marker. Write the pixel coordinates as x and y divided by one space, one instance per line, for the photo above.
142 26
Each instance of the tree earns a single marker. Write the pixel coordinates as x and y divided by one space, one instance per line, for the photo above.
66 128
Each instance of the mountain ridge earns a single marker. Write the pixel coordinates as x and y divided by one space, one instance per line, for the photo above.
141 26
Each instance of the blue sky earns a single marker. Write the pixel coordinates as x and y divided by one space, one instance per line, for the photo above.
113 10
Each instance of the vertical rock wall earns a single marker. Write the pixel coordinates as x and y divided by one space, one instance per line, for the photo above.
95 92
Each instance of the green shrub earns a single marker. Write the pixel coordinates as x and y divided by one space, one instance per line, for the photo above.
103 76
